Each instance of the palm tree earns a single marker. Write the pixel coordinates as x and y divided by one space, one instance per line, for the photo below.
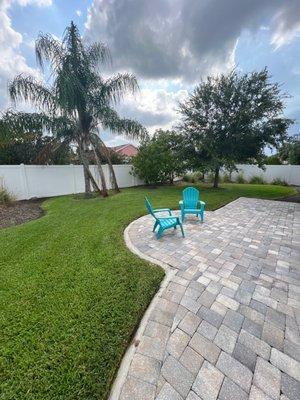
79 100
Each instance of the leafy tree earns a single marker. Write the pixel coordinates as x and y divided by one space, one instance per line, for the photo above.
290 151
159 158
79 101
231 118
274 159
20 144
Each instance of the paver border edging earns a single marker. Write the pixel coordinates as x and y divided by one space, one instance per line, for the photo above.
127 358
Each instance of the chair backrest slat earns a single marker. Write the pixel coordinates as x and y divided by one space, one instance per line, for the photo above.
149 207
190 197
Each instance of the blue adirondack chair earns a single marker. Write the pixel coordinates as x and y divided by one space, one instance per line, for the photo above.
163 222
191 203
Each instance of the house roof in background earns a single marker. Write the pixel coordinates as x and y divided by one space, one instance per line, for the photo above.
127 150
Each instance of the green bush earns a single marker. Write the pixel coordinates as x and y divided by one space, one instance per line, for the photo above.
258 180
226 178
279 182
188 178
194 177
5 196
240 179
210 177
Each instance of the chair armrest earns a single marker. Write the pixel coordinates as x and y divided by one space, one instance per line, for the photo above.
202 204
156 210
172 216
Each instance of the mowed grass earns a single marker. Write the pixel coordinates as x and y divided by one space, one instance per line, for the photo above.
71 294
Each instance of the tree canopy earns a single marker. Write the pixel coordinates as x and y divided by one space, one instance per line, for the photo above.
231 118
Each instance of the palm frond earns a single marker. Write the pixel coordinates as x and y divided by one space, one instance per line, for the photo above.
98 53
115 88
48 49
27 88
123 126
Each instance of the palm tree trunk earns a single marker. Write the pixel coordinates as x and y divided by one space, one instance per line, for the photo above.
88 176
101 173
113 178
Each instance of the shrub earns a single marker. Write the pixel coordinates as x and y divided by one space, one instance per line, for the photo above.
259 180
193 177
198 176
5 196
210 177
226 178
280 182
188 178
240 179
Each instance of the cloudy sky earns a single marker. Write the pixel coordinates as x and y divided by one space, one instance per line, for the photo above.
168 44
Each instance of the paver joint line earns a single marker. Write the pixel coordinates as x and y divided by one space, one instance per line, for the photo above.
225 322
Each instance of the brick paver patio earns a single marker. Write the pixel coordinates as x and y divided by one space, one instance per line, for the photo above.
227 324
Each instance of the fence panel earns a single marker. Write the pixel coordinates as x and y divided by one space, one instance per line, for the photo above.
28 181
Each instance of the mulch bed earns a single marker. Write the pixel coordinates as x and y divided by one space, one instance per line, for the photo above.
19 212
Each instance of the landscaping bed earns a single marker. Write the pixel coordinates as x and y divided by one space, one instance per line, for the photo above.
72 294
19 212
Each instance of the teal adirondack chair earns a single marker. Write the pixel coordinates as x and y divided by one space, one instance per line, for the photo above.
191 203
163 222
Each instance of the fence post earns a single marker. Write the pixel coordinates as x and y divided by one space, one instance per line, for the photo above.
74 178
24 181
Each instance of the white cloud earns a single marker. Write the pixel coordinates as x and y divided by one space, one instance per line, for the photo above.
79 13
286 25
12 61
39 3
154 108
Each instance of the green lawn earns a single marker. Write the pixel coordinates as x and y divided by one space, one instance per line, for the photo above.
71 294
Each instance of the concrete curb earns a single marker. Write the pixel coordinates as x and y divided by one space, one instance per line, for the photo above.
127 358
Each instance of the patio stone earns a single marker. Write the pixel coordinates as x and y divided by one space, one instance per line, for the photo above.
267 378
290 387
226 326
210 316
285 363
177 375
259 347
245 356
177 343
207 330
135 389
231 391
205 347
273 335
190 323
208 382
233 320
226 339
191 360
234 370
145 368
257 394
168 393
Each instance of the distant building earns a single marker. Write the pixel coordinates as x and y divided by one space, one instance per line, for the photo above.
125 150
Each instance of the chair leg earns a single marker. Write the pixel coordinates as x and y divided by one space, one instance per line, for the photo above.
182 216
155 226
201 215
159 233
181 227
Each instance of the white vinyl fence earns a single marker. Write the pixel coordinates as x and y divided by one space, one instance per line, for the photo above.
29 181
287 173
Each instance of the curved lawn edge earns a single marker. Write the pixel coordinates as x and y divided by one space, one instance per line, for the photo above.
129 353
